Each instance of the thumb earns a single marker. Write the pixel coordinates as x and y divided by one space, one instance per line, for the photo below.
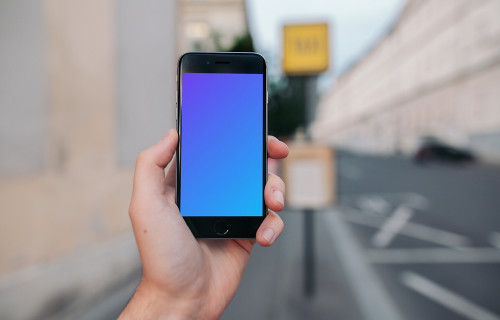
149 175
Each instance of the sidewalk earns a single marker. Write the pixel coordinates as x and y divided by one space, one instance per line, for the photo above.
272 287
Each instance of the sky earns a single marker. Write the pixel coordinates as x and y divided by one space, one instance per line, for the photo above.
354 25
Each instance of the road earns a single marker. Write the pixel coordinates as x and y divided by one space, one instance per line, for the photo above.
402 242
430 233
428 238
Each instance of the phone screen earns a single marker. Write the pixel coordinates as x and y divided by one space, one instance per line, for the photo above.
221 144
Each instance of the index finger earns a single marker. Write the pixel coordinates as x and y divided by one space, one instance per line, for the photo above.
276 149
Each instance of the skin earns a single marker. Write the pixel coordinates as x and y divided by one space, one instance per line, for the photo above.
186 278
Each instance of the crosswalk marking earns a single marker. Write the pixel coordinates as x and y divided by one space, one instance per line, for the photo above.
446 297
495 239
433 255
392 226
411 229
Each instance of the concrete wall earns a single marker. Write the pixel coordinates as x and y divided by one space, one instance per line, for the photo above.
86 86
145 78
23 88
437 72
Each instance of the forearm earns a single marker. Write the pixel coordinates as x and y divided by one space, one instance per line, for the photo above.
149 304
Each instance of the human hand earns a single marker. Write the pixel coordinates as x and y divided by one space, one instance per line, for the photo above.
184 277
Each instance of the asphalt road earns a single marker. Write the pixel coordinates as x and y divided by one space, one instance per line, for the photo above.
402 242
431 234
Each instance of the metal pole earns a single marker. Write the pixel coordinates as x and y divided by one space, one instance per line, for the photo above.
309 260
309 104
309 256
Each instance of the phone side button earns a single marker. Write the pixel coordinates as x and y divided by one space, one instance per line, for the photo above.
221 228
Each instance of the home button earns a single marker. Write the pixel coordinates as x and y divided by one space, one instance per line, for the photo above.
221 227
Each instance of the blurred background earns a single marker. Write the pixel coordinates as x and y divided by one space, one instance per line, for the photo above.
409 107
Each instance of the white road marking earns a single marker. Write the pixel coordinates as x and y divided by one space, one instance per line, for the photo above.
495 239
374 205
412 229
417 201
396 195
372 297
446 297
434 255
412 199
392 226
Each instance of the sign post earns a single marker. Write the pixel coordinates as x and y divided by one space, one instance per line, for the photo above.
308 172
308 169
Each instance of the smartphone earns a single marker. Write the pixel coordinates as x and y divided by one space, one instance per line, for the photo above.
222 150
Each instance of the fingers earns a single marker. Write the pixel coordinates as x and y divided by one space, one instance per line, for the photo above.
149 175
270 229
274 193
276 149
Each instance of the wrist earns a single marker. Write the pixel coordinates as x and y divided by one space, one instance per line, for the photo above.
150 303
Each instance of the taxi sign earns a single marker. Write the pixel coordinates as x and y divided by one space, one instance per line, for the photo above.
309 174
305 49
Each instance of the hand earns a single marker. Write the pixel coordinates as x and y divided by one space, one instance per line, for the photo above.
186 278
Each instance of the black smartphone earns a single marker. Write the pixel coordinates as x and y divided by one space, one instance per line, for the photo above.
222 150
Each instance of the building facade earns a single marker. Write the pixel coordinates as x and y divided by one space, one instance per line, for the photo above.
436 73
209 25
85 86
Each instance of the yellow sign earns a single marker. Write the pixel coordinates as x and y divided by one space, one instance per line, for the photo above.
305 49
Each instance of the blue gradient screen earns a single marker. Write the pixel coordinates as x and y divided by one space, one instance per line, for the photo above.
222 144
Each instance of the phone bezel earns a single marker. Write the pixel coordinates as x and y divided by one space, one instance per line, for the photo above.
196 62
